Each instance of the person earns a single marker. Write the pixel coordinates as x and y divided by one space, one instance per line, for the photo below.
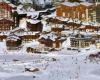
34 76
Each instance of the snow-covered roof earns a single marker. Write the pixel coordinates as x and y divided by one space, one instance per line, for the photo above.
85 23
7 19
49 16
26 33
20 9
4 1
82 26
51 36
33 14
77 21
86 3
33 21
13 37
62 18
30 33
70 20
70 4
30 9
12 5
33 44
25 1
90 23
43 2
81 36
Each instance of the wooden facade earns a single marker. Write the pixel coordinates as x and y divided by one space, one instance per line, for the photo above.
52 43
81 42
2 37
34 27
27 38
37 49
5 10
82 11
47 42
6 25
58 30
89 28
58 25
13 42
98 13
71 26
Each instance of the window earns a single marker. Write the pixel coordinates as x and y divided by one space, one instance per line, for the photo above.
64 14
2 11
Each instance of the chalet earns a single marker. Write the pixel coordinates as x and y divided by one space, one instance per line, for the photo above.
34 25
17 17
56 24
88 28
13 42
52 40
5 10
18 13
3 37
83 10
29 36
34 47
88 12
58 42
71 26
48 42
81 41
26 36
6 25
59 25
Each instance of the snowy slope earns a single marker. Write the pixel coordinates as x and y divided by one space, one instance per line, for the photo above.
66 67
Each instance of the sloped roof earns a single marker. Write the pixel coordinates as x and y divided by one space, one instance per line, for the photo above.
86 4
3 20
70 4
6 6
33 21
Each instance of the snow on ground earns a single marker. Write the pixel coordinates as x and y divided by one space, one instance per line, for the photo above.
69 65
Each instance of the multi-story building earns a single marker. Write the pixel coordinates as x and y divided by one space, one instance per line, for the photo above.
97 9
5 10
81 41
6 25
83 11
